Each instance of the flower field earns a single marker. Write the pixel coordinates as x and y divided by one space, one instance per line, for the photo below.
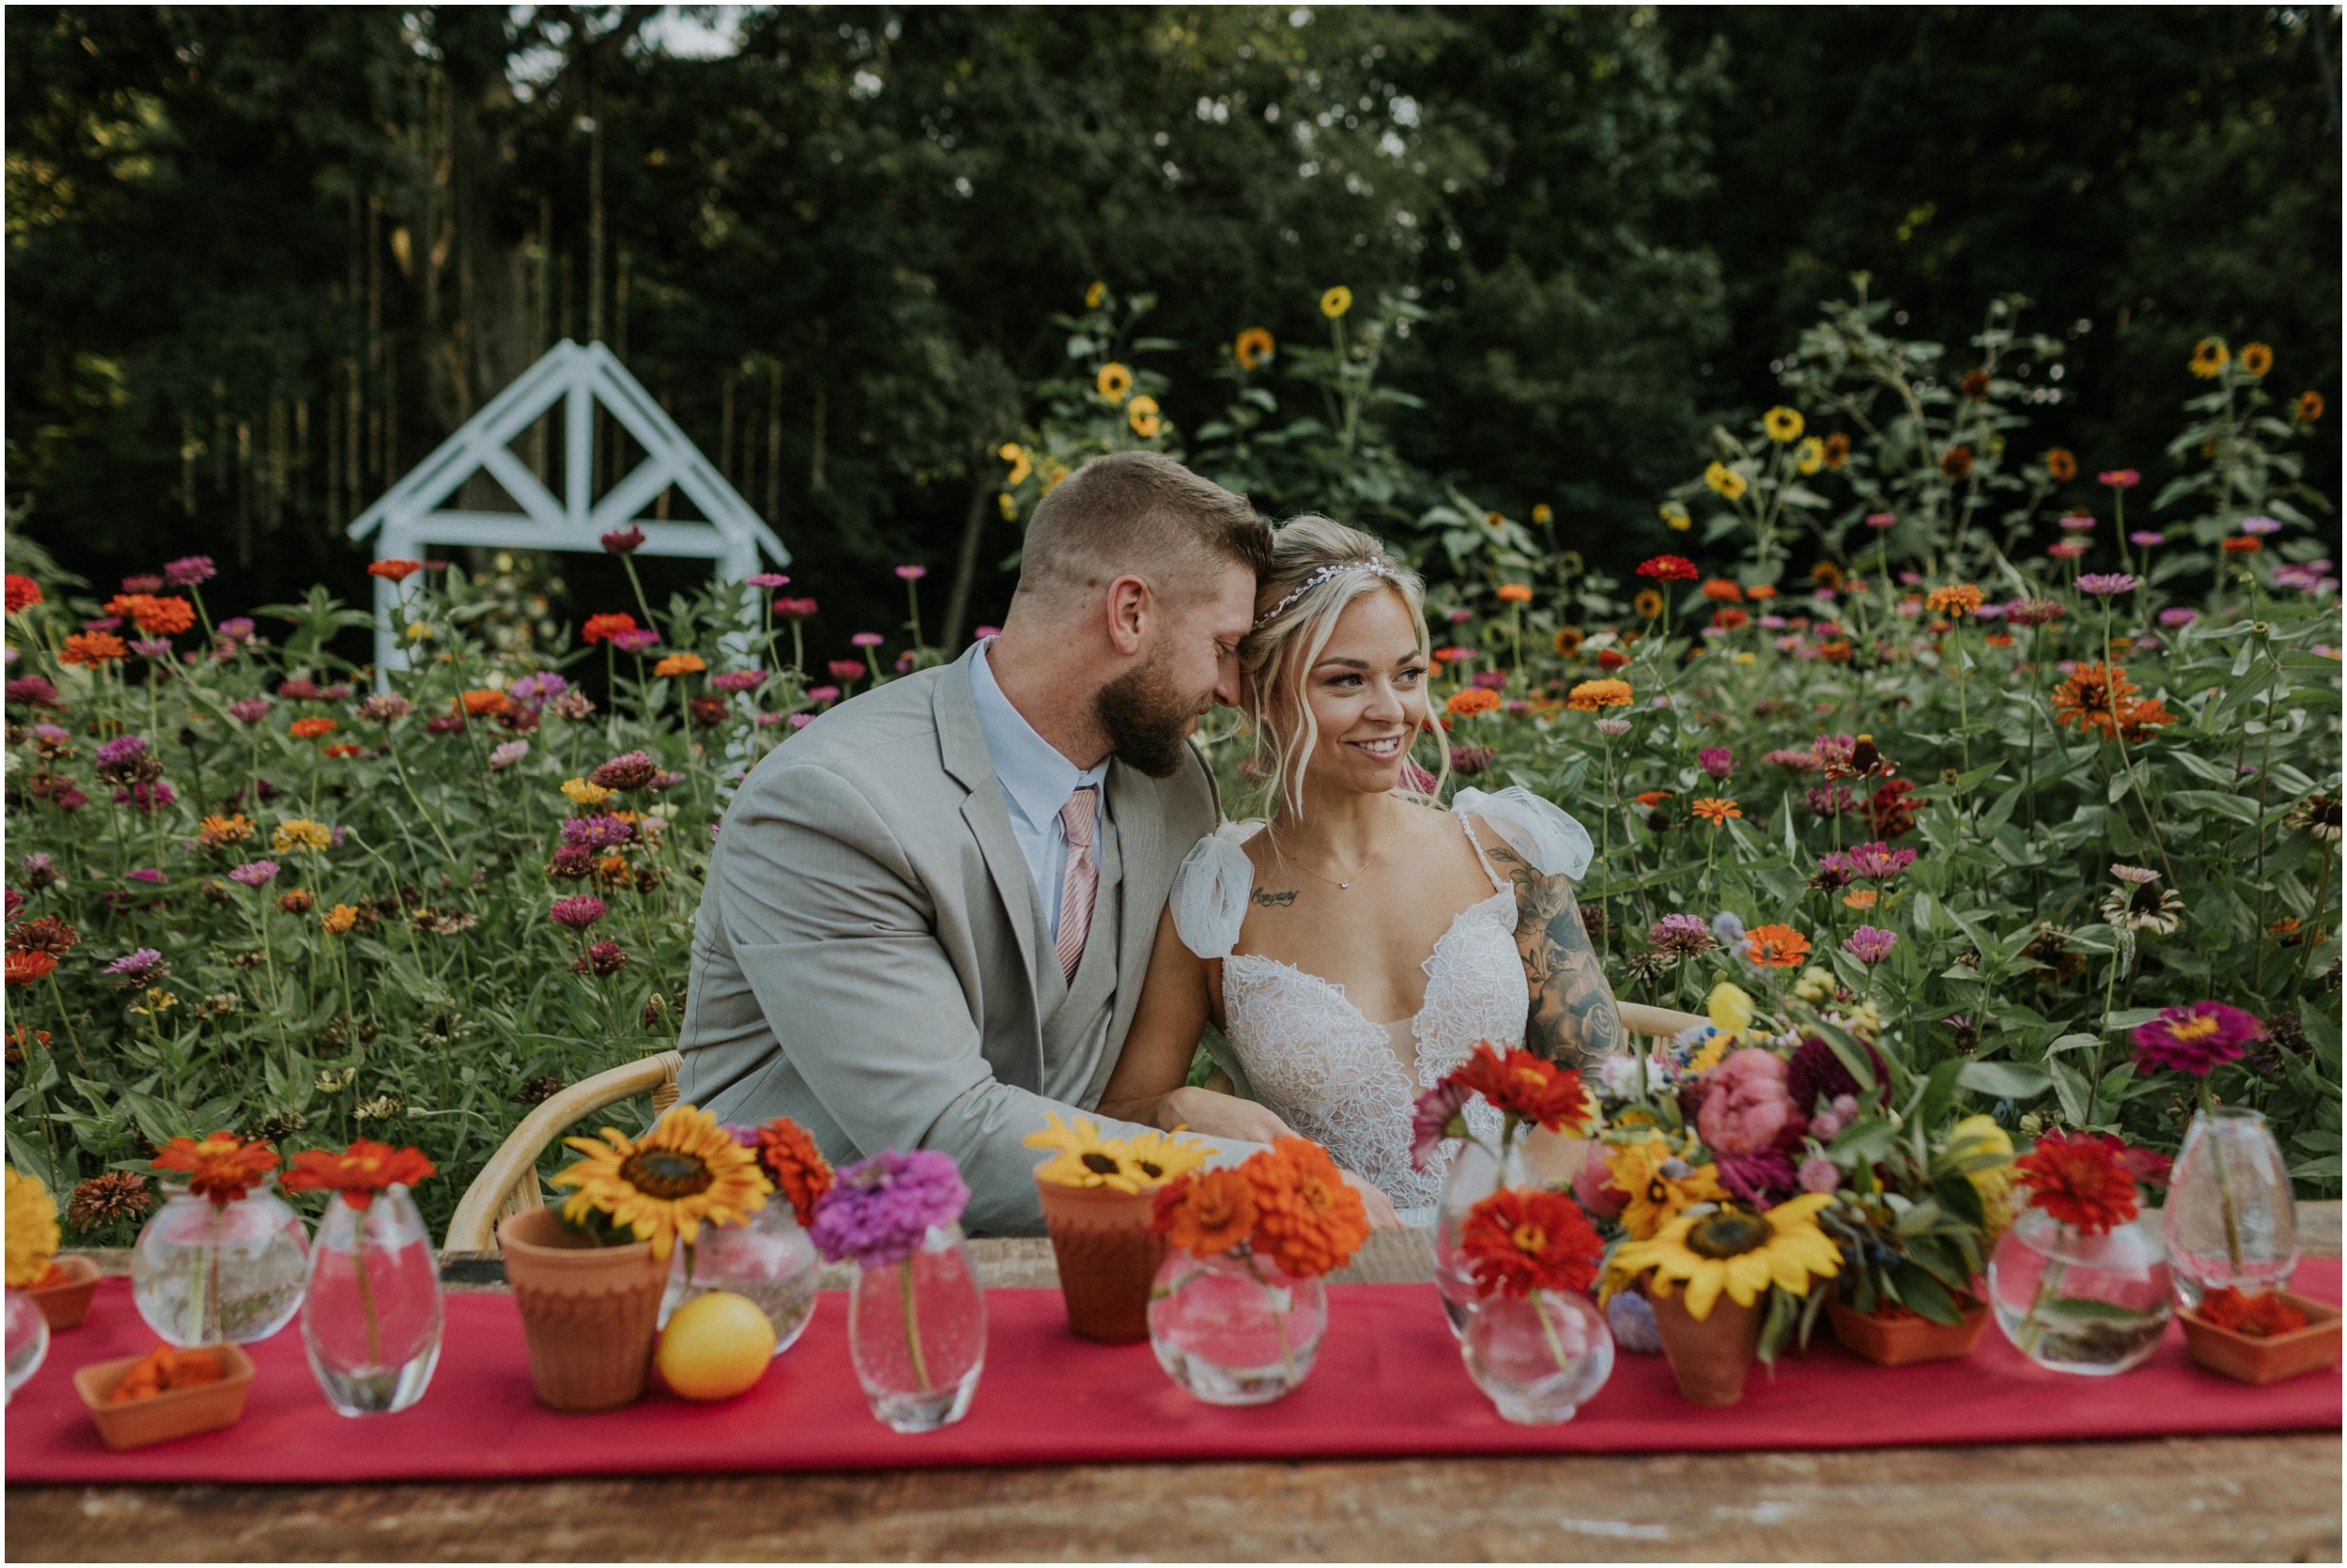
1998 748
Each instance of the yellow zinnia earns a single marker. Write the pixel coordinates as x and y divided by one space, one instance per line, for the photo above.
1676 515
1337 302
1737 1252
663 1186
32 1233
1142 413
1652 1197
584 794
1113 382
1093 295
1015 455
1987 1149
1008 505
1811 457
1543 514
303 834
1783 424
1725 482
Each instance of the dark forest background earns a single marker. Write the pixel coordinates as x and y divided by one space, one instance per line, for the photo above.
262 259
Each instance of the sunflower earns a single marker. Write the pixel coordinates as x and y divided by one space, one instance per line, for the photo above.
1827 575
1725 482
1096 293
1254 346
1142 413
1810 456
1161 1157
2256 358
32 1233
1543 514
1113 382
1738 1252
2309 407
1084 1158
1836 449
1337 302
2208 357
1783 424
1568 641
1656 1184
2061 465
664 1185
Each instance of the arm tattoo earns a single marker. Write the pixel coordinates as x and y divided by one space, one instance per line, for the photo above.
1571 1019
1274 901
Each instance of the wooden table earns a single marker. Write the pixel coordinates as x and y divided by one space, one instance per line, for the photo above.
2173 1498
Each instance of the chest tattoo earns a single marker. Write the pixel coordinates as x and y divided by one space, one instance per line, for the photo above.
1272 899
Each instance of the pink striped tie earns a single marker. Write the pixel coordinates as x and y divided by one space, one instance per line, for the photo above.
1079 816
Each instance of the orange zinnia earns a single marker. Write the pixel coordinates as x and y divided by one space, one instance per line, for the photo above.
599 627
679 663
2094 698
358 1173
310 729
1954 599
1648 799
1308 1219
788 1152
1515 593
92 649
483 702
223 1167
1716 810
2077 1178
1723 591
1590 696
1528 1087
1475 699
1518 1241
1208 1212
2137 720
393 570
1775 946
30 967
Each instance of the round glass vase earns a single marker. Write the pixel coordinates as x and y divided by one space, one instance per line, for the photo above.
1475 1176
372 1318
1540 1357
203 1272
2230 1219
2073 1301
917 1334
767 1258
27 1339
1234 1327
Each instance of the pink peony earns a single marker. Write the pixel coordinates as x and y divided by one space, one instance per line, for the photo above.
1592 1185
1746 1107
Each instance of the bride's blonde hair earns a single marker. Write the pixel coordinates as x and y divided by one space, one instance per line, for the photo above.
1319 567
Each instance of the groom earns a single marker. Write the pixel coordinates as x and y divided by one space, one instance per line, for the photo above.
928 914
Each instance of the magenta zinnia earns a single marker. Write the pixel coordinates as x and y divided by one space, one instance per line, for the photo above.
2194 1039
577 911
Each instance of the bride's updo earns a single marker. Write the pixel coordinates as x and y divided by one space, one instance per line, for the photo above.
1317 568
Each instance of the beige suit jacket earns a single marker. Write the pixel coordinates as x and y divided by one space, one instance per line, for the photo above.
866 952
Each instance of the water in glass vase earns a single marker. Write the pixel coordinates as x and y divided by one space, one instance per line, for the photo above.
767 1258
372 1319
205 1273
917 1334
1234 1330
2073 1301
2230 1219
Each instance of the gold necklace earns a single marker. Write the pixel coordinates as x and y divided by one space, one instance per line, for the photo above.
1350 878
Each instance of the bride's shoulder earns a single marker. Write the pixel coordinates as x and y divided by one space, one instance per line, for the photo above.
1209 896
1547 837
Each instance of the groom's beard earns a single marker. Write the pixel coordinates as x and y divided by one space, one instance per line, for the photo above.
1147 719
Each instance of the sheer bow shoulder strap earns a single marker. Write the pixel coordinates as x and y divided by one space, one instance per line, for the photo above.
1210 890
1549 839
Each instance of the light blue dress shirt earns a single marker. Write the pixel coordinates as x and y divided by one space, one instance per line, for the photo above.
1036 780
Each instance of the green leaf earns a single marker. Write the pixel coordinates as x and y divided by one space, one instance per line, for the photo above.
2014 1081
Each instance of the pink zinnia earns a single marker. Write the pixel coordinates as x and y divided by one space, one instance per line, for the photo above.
867 640
794 610
1871 944
912 573
1440 1114
577 913
2194 1039
624 541
2119 479
636 640
767 580
1880 519
1718 761
2105 584
2066 550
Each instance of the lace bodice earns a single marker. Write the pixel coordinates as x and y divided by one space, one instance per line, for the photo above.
1347 1082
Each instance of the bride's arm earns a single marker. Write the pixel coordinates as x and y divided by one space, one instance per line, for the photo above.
1150 1083
1571 1019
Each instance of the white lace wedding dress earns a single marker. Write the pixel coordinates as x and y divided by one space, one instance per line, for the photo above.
1348 1082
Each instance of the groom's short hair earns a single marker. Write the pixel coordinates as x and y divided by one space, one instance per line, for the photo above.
1140 513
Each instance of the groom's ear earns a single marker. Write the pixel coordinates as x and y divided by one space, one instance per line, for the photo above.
1131 611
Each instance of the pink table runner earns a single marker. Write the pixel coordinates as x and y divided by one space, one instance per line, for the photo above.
1389 1383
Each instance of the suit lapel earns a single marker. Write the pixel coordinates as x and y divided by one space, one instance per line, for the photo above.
962 747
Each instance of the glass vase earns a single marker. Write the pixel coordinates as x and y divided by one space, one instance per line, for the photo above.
1475 1176
767 1258
206 1274
27 1339
1540 1357
371 1319
1234 1327
2077 1302
917 1334
2230 1219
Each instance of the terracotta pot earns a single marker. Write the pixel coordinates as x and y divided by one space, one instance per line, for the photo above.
1711 1358
176 1413
1107 1257
1904 1340
590 1314
67 1302
2262 1360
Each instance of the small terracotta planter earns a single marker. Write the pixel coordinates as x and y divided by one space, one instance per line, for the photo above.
176 1413
67 1302
1107 1257
1902 1341
2250 1359
590 1314
1712 1358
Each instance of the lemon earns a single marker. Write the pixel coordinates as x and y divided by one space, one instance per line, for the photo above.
714 1347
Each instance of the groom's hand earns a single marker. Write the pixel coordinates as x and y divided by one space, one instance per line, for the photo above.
1381 1215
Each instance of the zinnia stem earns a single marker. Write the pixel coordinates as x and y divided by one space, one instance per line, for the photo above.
366 1297
2224 1179
912 1324
2049 1283
1549 1332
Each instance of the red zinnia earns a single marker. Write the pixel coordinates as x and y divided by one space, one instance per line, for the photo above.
800 1172
1526 1087
310 729
1612 658
393 570
1517 1241
600 627
30 968
23 593
1668 569
2078 1178
223 1167
358 1173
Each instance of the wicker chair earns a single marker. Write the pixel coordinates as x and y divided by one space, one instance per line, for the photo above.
508 1184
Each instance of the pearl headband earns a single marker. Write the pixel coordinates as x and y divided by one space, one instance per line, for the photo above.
1338 569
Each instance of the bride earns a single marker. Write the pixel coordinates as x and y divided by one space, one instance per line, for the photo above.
1356 948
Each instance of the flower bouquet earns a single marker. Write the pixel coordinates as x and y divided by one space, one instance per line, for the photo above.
1534 1343
766 1256
589 1278
371 1314
916 1318
2080 1282
1239 1307
1099 1196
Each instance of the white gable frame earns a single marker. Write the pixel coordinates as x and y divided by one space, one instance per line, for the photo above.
407 518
